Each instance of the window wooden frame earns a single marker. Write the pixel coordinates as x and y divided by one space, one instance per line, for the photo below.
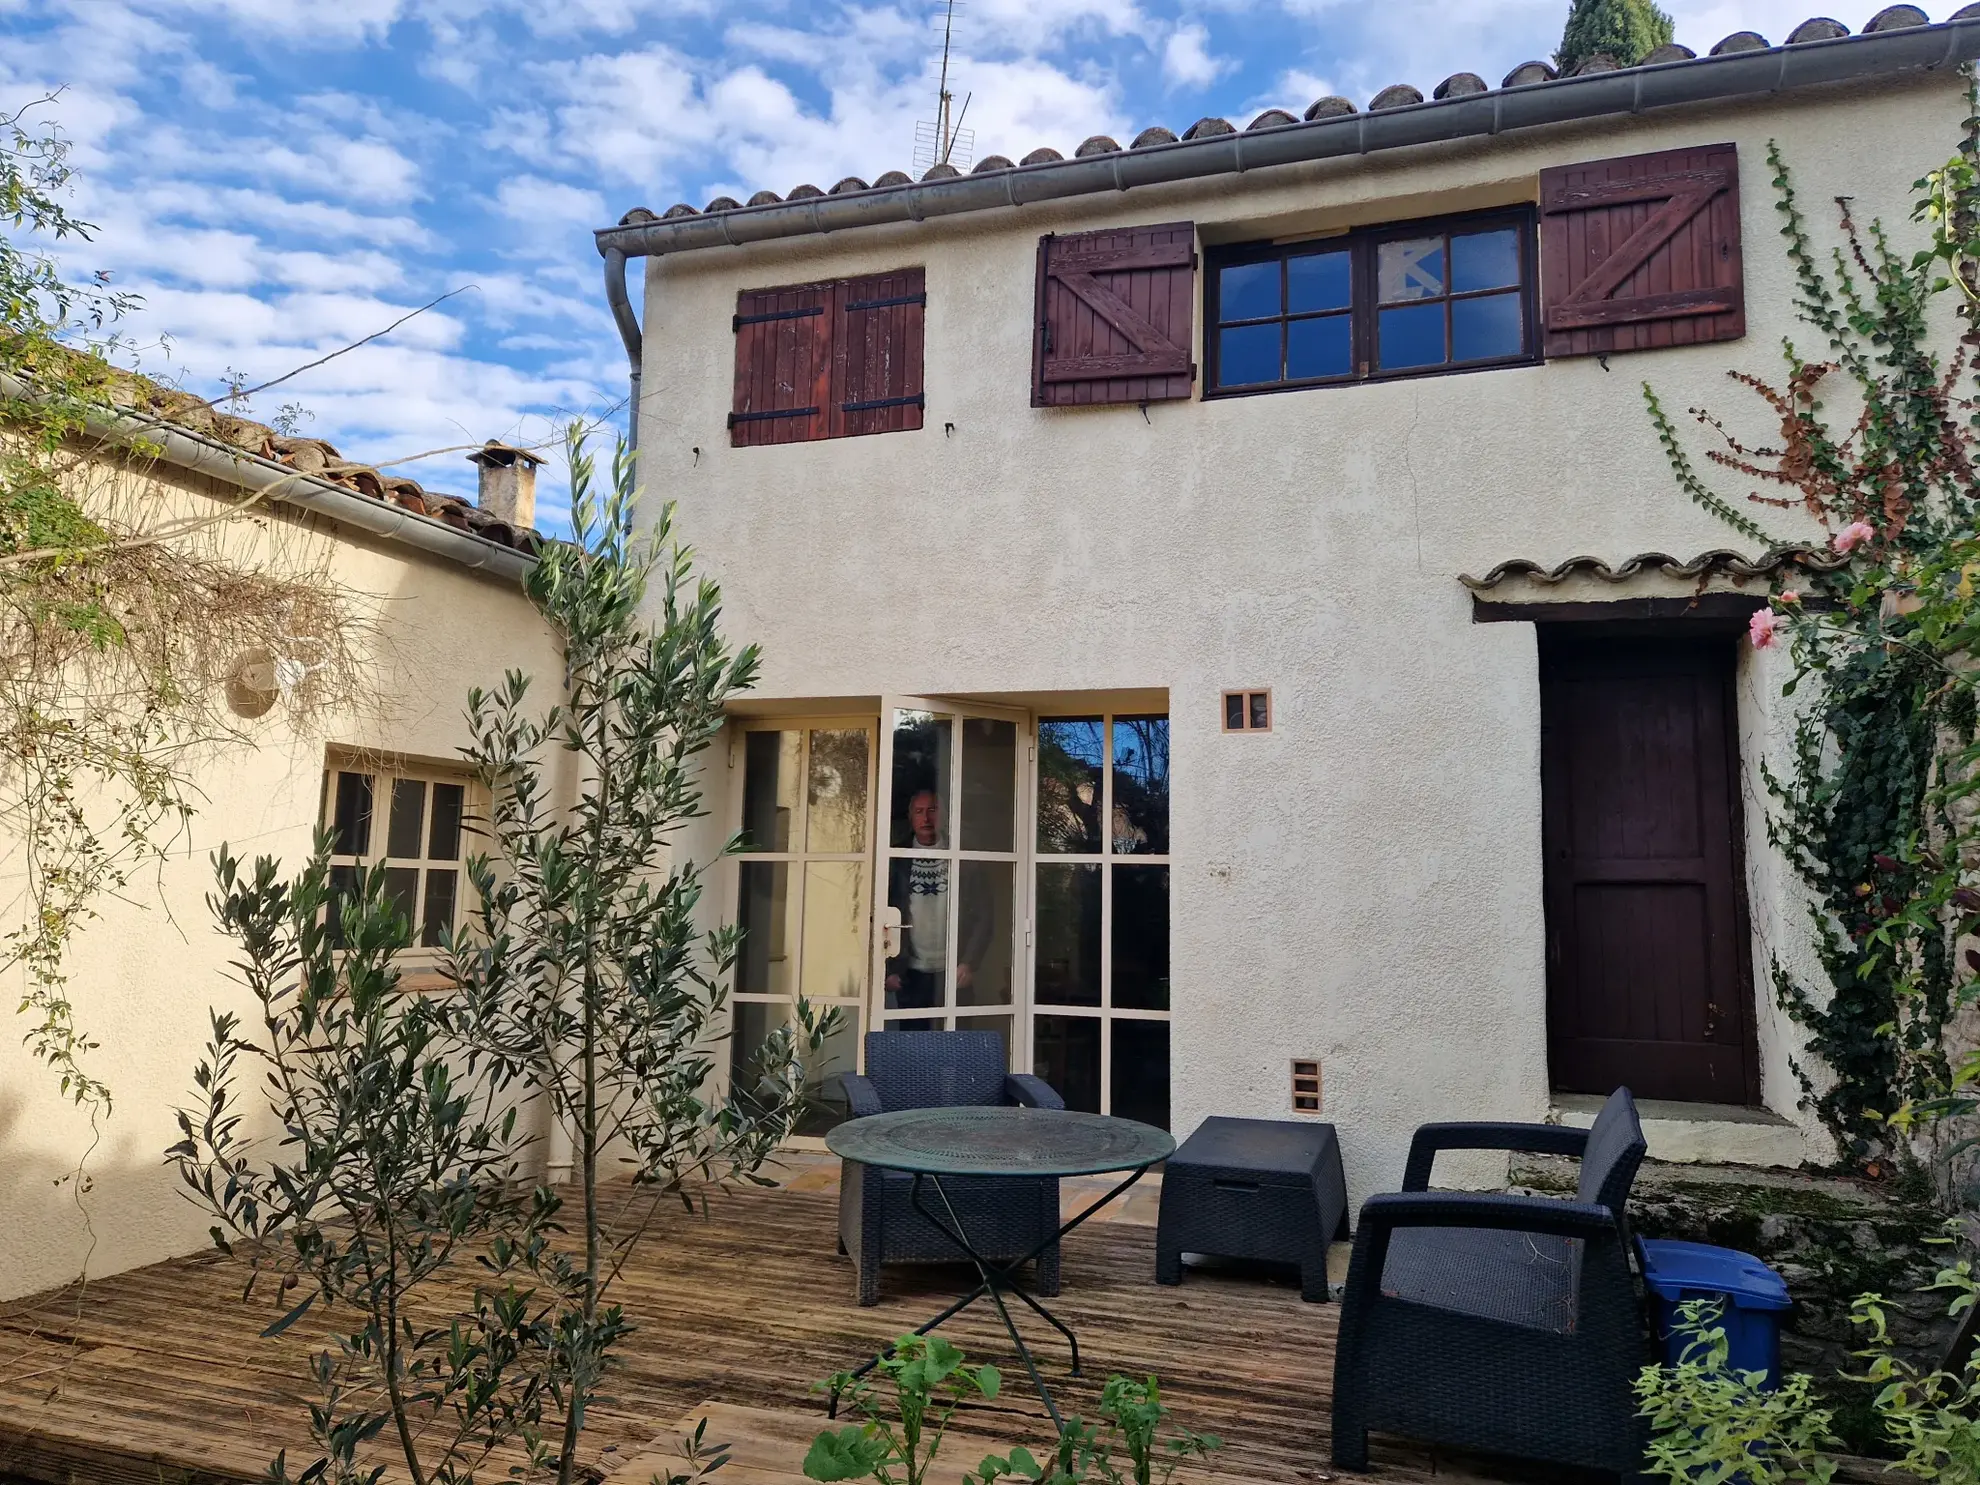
1364 244
1246 696
384 776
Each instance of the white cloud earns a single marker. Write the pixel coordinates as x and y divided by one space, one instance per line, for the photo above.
532 199
1186 58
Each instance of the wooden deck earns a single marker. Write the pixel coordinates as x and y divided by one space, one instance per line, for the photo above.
159 1375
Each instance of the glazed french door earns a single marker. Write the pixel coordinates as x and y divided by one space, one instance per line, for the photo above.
952 803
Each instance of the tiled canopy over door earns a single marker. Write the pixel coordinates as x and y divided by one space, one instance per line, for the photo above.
1113 316
1641 252
1648 963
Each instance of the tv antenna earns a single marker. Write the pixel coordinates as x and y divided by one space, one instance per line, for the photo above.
943 141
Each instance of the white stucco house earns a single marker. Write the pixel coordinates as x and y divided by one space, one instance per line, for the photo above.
1229 625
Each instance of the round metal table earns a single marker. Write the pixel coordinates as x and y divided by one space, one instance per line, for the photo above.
992 1141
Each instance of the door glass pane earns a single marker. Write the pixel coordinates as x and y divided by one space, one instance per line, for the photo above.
1484 260
1141 938
1410 269
917 977
408 815
1248 354
765 913
1484 328
921 781
999 1024
1248 291
984 914
770 785
443 841
1140 1075
989 784
438 920
824 1095
1319 348
1317 281
351 826
837 918
835 791
1066 1054
1141 786
1412 336
402 886
1068 935
1071 753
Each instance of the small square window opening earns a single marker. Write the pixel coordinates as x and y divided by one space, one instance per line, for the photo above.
1247 711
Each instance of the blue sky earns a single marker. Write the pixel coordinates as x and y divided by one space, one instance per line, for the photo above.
281 177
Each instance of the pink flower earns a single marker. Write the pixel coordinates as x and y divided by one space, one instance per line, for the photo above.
1787 595
1762 626
1854 535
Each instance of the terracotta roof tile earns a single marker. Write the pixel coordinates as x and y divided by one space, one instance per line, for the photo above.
1718 563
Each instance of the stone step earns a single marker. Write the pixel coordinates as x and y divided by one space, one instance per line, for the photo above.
1701 1133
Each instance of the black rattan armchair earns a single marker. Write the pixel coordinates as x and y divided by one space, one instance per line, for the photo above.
1512 1324
1005 1216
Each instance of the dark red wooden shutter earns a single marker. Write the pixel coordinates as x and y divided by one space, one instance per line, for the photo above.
1641 251
783 365
1113 316
876 353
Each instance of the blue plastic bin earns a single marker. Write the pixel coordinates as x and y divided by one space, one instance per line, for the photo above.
1752 1295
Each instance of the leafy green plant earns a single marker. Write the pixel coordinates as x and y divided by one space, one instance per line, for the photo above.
901 1435
1931 1417
583 987
1711 1425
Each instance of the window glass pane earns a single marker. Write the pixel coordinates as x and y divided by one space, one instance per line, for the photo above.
1248 291
1413 336
1319 348
1141 786
764 912
1065 1052
402 886
343 884
1485 260
984 917
438 920
1141 938
1412 268
1067 931
1261 709
838 917
835 791
351 826
1071 753
408 815
1234 710
1247 355
921 781
989 784
443 841
1141 1072
770 782
1488 327
1317 281
918 976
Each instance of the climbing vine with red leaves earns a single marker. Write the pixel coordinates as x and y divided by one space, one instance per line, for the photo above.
1876 810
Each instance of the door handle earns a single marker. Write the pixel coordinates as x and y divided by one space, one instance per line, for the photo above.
890 932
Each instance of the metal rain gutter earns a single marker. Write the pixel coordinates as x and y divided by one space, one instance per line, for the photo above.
185 450
1629 90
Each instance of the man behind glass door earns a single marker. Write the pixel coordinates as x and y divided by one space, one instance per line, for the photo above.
919 887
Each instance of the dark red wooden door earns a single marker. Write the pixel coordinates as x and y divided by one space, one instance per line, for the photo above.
1648 983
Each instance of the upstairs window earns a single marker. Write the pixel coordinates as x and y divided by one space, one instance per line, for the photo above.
830 360
1447 295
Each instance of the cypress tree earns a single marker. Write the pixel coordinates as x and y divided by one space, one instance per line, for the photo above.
1628 30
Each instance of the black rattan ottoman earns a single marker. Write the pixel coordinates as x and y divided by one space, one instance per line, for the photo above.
1267 1189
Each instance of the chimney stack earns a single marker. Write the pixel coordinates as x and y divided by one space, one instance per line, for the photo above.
508 483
